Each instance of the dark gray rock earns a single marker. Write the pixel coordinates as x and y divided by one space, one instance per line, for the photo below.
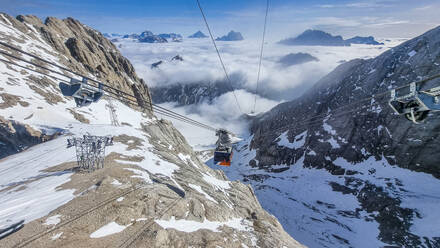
364 40
296 59
156 65
177 58
187 94
149 37
131 36
231 36
170 36
196 92
198 34
315 38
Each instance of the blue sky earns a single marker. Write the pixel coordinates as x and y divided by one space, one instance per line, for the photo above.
382 18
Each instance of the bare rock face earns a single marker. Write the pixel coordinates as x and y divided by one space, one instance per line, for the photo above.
14 137
83 50
75 46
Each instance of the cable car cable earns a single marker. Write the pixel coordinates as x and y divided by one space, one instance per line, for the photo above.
169 113
261 54
219 56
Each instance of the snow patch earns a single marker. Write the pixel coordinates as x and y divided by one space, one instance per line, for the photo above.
200 190
334 143
298 141
217 183
140 174
329 129
56 236
109 229
116 183
53 220
412 53
193 226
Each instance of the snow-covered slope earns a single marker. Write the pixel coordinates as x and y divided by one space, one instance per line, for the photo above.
152 191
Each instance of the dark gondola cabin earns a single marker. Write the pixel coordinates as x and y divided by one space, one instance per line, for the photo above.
83 93
223 152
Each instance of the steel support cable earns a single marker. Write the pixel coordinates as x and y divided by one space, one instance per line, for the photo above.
162 108
172 114
219 56
183 120
261 54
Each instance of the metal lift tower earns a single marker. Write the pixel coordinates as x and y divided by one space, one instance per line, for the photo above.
90 151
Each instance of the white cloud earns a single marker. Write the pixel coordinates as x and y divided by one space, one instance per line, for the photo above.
201 63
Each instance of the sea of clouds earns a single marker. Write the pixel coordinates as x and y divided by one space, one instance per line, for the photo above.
278 83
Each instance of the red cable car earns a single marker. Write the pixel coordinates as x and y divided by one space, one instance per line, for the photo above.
223 152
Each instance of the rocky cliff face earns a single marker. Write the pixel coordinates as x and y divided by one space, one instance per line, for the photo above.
386 134
153 190
358 176
73 45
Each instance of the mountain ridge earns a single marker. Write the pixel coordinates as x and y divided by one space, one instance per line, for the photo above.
312 37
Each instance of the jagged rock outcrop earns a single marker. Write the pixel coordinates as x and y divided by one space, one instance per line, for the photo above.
360 147
15 137
75 46
83 49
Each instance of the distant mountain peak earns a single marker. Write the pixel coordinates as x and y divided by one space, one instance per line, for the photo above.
146 33
198 34
231 36
313 37
364 40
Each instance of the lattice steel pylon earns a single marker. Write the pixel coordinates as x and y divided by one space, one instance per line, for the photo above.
112 111
90 151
